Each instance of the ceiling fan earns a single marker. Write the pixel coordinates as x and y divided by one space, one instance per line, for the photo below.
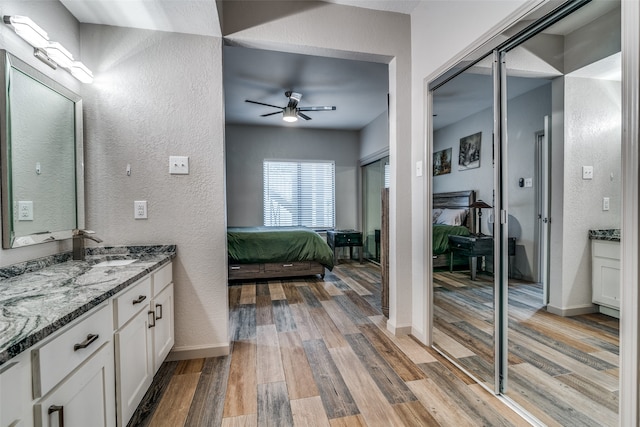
291 111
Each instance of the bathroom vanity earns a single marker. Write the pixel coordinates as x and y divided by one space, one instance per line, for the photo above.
605 270
82 340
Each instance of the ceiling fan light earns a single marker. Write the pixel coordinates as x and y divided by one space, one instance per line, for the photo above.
289 115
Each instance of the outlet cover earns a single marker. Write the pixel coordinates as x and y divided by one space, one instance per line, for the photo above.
140 209
179 165
25 211
587 172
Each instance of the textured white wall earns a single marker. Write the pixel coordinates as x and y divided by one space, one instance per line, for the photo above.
347 32
248 146
64 28
158 94
592 136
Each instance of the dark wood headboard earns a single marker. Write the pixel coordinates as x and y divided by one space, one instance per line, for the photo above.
458 200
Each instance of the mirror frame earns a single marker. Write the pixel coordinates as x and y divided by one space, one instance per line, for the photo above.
9 62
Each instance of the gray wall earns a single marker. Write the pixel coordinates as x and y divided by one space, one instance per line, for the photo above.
374 138
248 146
158 94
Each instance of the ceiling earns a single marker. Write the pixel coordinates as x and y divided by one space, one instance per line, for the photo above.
357 89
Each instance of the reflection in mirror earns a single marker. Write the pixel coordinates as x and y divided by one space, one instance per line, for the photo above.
463 172
42 190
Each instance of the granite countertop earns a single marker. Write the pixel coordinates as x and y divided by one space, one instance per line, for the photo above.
39 297
611 234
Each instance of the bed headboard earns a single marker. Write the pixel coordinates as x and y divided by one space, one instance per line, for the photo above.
458 200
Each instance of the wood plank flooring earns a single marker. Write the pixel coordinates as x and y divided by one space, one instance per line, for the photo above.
564 370
311 352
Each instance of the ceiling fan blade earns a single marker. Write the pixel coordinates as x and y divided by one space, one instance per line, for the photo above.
262 103
270 114
325 108
303 116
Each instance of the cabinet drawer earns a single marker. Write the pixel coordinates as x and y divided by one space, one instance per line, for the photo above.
287 266
162 278
58 357
132 301
244 268
606 249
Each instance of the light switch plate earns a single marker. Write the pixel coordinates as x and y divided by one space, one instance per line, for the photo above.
419 168
605 203
179 165
528 182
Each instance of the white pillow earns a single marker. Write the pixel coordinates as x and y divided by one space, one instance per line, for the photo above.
436 213
452 217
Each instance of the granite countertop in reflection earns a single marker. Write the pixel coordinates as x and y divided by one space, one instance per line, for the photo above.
39 297
611 234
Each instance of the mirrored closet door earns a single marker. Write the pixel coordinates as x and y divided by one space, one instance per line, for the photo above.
536 320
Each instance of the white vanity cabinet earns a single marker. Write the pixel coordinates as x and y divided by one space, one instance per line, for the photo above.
163 315
93 371
133 348
143 338
73 374
15 378
606 276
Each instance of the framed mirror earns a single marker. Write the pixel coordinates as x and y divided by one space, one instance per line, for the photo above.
41 150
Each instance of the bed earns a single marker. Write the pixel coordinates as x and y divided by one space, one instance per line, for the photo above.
269 252
451 215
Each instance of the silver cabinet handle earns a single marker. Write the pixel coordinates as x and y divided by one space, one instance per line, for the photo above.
152 323
235 267
139 299
158 308
86 343
60 411
287 265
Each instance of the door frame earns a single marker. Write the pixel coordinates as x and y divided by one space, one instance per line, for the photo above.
629 295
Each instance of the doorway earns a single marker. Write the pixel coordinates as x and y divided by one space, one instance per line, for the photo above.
534 337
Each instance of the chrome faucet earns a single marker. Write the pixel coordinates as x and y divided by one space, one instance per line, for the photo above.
78 242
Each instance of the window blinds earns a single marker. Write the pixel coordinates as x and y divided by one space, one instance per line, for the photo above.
299 193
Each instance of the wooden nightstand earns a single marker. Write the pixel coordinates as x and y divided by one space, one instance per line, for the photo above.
344 238
474 247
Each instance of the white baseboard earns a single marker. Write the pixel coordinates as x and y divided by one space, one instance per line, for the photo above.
398 330
572 311
197 352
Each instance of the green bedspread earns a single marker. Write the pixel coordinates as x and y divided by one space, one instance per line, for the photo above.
441 236
255 245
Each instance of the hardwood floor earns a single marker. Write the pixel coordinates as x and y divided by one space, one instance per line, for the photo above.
564 370
309 352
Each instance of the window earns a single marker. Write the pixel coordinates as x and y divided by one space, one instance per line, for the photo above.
299 193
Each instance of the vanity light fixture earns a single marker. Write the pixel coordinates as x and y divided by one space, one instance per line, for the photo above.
289 114
51 53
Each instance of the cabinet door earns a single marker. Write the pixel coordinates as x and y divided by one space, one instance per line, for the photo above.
14 387
134 364
606 282
163 337
86 398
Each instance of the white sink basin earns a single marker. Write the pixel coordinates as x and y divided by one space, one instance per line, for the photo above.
115 263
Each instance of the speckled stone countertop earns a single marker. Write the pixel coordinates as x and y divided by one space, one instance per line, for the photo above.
611 234
39 297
